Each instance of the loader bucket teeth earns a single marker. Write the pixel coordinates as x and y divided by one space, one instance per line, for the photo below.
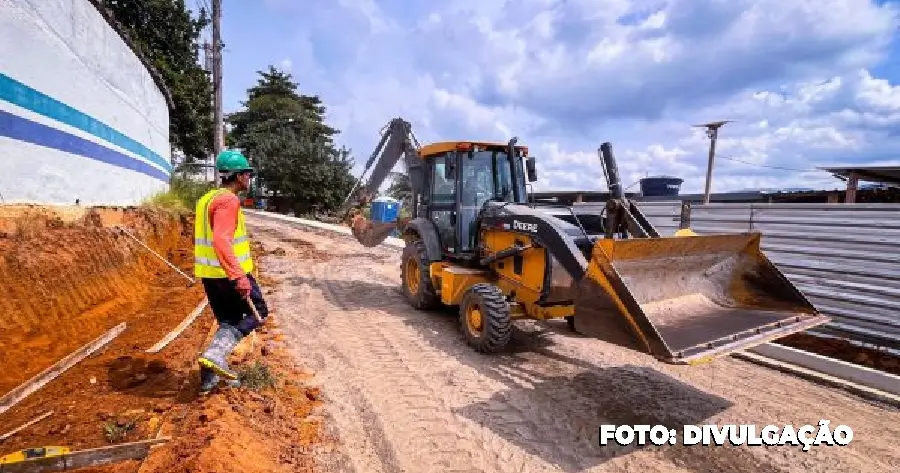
692 299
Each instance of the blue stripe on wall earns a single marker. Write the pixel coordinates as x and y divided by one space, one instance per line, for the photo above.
22 129
18 93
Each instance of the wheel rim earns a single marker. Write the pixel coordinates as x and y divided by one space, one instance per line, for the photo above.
412 276
474 320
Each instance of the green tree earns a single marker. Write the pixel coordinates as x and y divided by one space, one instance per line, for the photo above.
167 35
400 188
286 138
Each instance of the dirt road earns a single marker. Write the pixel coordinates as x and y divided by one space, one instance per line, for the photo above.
407 395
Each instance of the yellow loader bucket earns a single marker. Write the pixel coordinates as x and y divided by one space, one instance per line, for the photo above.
691 299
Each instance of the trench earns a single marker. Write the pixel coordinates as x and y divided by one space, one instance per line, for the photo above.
68 276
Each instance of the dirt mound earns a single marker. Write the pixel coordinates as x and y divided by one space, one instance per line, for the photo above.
295 247
271 430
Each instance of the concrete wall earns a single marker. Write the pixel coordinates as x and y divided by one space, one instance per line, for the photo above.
80 116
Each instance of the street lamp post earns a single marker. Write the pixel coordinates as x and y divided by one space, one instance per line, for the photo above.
712 131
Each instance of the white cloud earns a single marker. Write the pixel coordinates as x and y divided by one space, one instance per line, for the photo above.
566 76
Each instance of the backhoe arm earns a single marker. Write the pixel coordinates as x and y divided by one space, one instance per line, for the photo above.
623 216
397 141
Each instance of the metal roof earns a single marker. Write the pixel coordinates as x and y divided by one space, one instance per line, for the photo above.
883 174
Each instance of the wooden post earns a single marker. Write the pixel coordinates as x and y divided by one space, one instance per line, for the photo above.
13 397
180 328
25 425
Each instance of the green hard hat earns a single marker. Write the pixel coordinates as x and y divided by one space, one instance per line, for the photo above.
231 160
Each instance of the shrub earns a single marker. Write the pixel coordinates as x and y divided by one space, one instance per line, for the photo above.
182 195
257 376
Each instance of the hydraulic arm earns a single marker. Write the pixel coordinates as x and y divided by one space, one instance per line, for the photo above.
397 141
623 216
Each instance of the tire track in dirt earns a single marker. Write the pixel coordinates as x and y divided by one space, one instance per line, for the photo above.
372 355
395 375
506 415
403 385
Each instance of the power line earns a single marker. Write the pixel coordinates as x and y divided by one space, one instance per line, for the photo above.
782 168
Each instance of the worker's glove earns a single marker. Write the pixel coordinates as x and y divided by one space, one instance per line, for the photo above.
243 286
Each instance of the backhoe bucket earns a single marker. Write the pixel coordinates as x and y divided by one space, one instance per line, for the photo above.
692 299
371 234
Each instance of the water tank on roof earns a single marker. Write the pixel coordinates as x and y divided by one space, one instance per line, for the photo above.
660 186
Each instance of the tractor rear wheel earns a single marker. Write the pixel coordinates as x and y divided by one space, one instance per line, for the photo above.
415 275
485 318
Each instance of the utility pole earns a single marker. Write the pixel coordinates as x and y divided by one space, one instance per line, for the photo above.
218 128
208 67
712 131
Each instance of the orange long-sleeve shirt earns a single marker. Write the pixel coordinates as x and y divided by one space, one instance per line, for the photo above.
223 216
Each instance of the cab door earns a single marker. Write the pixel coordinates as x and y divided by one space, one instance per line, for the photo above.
442 196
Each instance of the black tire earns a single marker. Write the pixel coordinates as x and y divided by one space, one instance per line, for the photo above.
496 322
570 321
422 296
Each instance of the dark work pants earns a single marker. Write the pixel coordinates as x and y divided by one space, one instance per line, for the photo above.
230 308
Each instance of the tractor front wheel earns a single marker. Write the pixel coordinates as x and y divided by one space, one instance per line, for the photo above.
416 277
485 318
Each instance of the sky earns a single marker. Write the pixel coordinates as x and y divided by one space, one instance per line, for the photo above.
807 83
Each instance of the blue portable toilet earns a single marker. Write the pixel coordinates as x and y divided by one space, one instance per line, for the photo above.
385 210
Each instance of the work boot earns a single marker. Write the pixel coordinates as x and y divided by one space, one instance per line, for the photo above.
216 355
209 380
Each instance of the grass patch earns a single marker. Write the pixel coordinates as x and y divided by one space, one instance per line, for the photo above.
182 195
116 431
257 376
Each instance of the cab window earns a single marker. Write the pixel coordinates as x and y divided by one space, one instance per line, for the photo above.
443 189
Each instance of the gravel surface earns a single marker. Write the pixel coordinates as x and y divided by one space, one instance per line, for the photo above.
405 394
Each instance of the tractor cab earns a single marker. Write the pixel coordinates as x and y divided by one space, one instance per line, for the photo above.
460 177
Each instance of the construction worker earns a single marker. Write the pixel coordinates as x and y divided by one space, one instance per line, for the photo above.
223 262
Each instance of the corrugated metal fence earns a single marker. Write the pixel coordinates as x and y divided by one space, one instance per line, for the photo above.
844 257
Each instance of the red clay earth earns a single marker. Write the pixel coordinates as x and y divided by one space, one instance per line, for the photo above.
65 284
68 280
843 350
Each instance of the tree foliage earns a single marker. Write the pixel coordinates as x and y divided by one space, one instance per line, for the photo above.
285 136
167 35
400 188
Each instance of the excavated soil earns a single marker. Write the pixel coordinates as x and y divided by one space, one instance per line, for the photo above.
273 430
844 350
68 278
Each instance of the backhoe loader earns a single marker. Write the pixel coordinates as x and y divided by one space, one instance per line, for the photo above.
475 241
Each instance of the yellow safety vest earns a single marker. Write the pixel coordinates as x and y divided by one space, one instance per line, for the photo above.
206 263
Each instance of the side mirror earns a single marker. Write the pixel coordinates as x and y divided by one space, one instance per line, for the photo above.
449 166
531 169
